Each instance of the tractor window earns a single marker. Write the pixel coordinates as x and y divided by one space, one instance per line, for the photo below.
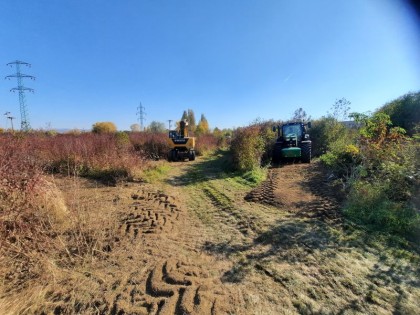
292 129
173 134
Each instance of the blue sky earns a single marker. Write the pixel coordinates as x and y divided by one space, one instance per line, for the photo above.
233 60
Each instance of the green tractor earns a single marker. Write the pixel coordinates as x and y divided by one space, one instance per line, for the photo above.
292 142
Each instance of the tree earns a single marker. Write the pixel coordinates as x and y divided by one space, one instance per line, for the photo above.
405 112
157 127
217 132
104 127
135 127
340 109
300 115
184 115
203 126
191 120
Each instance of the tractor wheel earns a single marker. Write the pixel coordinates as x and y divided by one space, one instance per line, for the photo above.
306 151
174 156
277 153
170 156
191 155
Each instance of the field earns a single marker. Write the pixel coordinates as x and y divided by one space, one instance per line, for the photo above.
197 238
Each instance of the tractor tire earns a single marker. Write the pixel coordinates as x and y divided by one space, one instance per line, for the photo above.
174 156
191 156
306 151
277 153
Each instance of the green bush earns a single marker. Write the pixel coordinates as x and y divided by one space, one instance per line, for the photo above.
247 148
369 204
328 134
404 112
381 172
252 146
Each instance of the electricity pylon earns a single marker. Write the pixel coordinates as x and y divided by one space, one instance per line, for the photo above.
24 119
142 116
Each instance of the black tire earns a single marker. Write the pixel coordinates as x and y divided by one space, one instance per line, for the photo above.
191 156
174 156
170 156
306 151
277 153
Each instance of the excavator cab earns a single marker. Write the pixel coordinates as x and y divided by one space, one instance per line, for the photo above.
182 146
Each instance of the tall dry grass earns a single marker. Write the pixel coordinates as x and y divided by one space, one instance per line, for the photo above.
44 237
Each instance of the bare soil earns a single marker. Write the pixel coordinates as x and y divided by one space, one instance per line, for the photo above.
203 241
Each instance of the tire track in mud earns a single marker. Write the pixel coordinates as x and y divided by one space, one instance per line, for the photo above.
150 212
171 287
265 192
228 212
151 264
301 189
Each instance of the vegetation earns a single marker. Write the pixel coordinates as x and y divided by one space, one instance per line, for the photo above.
206 143
251 146
375 160
104 127
191 120
405 112
376 163
300 115
203 126
378 167
385 177
135 128
157 127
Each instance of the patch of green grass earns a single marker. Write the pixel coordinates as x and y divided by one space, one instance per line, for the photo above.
156 173
255 176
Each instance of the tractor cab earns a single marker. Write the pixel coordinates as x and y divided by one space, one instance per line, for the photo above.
292 142
173 134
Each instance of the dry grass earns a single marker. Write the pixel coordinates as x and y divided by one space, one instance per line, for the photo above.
65 241
46 238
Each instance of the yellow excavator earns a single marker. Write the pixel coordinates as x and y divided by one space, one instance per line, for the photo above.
182 146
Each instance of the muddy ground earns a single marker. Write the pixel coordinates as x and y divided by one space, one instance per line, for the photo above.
204 241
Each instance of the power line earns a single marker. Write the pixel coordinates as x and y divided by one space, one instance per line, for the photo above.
24 119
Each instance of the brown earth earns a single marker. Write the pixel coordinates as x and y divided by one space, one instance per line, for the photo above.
202 241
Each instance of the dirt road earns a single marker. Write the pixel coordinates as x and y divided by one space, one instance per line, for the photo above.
204 241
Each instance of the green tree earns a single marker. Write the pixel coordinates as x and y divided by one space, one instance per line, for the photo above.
157 127
191 120
184 115
104 127
300 115
340 109
203 126
217 132
405 112
135 127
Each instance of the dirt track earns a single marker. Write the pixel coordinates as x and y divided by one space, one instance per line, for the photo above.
204 242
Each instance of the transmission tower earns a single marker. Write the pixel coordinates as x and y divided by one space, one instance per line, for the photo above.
24 120
141 116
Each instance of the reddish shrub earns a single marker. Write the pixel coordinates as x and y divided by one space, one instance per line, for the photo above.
151 145
206 143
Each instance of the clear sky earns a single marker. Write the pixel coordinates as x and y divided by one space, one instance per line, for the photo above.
233 60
